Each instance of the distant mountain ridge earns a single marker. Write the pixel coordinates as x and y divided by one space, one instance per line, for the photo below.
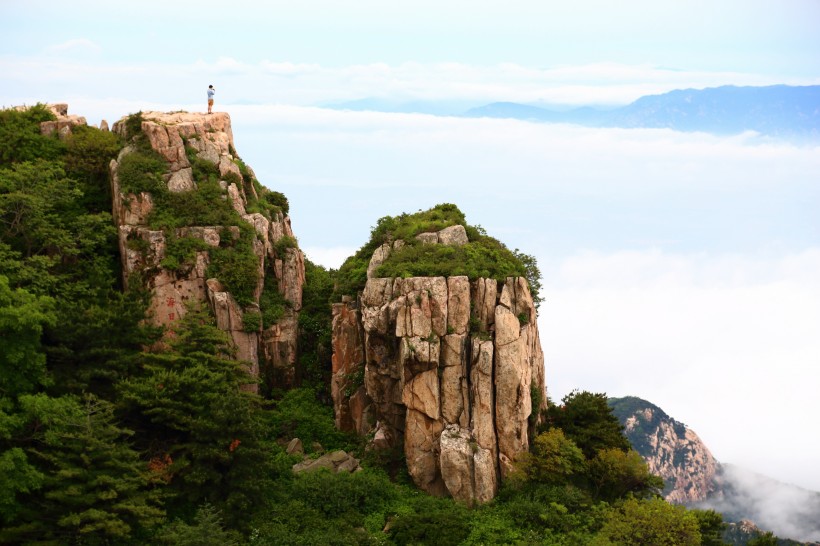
695 478
781 111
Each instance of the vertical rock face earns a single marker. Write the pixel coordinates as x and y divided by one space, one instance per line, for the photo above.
270 351
448 368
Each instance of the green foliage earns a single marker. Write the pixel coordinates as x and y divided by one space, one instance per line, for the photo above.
278 200
207 529
300 415
22 319
205 429
272 303
614 473
493 527
314 339
649 523
20 138
428 520
555 459
88 154
482 256
94 488
180 252
765 539
17 477
251 321
133 126
236 265
283 243
204 206
142 171
711 527
586 418
486 257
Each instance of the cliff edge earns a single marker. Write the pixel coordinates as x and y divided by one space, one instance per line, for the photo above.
196 226
448 368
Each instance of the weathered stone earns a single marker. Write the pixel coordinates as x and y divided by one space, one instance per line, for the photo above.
421 376
486 475
64 123
455 398
278 343
513 377
468 470
457 467
483 294
422 308
428 238
238 205
104 126
675 453
482 394
181 181
226 167
453 236
378 258
421 447
347 363
458 305
292 279
421 393
143 251
295 447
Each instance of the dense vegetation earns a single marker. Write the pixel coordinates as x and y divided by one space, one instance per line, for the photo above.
103 441
482 256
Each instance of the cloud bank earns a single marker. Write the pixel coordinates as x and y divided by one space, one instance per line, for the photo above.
285 82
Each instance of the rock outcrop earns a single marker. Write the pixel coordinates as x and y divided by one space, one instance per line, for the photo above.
336 461
670 449
178 138
446 368
64 123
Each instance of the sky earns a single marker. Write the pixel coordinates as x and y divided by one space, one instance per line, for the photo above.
681 268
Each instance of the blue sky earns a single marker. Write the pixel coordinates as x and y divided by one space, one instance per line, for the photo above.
682 268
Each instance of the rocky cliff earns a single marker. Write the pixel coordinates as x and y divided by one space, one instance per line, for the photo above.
446 367
695 478
670 449
195 226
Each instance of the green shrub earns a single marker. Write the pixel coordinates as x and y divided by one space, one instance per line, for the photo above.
251 321
141 171
133 125
428 520
300 415
277 199
206 205
482 256
20 138
272 303
236 266
283 243
181 251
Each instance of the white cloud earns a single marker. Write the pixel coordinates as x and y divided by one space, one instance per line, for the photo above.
726 344
329 257
282 81
81 45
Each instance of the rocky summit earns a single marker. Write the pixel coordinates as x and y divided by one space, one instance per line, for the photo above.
670 449
188 145
450 369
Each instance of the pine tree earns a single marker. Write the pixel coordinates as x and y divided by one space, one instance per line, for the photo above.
197 421
94 488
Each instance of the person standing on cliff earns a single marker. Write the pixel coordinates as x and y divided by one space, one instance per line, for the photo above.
211 92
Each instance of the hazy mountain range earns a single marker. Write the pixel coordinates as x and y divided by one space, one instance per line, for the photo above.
695 478
780 111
